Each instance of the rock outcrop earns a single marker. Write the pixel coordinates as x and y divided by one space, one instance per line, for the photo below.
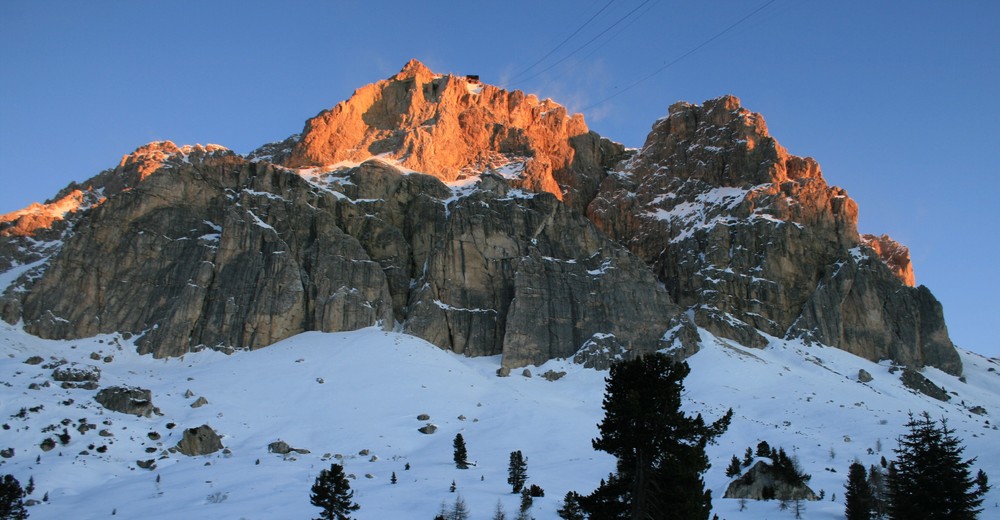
751 238
762 482
199 441
130 400
894 255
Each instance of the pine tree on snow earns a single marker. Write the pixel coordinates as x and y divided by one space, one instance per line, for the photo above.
332 493
929 480
517 471
858 494
461 455
11 499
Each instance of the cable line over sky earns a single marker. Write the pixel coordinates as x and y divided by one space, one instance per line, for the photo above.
681 57
619 31
567 39
578 49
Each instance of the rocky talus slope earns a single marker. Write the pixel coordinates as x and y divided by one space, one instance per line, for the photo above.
485 221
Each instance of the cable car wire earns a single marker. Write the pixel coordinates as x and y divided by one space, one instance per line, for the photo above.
578 49
681 57
566 40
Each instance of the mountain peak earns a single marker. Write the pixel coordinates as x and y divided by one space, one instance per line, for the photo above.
450 126
413 69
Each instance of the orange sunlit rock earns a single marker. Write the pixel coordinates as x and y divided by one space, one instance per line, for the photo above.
446 125
894 254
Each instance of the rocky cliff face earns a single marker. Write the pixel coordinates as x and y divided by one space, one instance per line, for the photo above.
207 250
751 238
522 274
213 250
526 235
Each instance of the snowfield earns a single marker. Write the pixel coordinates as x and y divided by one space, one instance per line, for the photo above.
338 394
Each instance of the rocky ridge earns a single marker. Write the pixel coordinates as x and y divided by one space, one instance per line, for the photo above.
753 240
525 235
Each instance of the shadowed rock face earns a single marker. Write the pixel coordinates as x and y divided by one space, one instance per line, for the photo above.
528 277
214 252
752 239
217 251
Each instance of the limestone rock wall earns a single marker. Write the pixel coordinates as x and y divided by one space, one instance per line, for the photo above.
528 277
216 252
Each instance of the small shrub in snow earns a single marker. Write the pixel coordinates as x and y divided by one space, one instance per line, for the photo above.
217 498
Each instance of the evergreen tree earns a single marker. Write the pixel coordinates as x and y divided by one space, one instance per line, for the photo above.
517 471
929 480
660 450
858 494
748 457
763 449
499 513
798 507
392 479
11 499
458 511
788 469
526 503
876 483
571 509
332 493
461 455
734 467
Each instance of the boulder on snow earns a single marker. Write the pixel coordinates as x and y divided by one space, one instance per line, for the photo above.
77 376
600 351
130 400
552 375
916 381
199 441
427 429
282 448
864 376
761 481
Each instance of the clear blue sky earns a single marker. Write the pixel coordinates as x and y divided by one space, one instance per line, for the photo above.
897 100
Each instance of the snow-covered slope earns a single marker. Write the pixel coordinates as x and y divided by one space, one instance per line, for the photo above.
338 394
